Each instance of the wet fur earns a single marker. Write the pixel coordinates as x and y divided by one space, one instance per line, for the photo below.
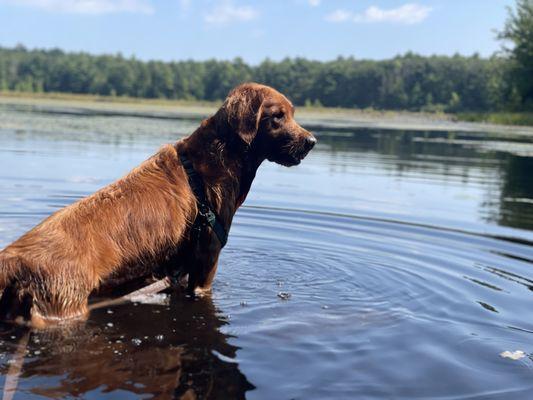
139 226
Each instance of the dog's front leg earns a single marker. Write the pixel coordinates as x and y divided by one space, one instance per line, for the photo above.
201 278
205 284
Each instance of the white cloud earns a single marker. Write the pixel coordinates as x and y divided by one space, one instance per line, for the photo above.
407 14
339 16
87 6
226 12
314 3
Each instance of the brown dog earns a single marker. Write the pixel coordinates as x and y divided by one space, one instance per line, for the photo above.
141 225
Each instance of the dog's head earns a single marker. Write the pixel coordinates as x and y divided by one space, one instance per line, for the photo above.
264 120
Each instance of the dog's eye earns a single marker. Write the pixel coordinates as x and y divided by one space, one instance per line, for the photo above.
277 117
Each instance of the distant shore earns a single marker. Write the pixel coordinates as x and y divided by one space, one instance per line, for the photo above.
314 117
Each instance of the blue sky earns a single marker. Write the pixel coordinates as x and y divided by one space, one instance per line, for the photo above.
254 30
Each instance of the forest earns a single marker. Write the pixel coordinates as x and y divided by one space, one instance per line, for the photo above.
407 82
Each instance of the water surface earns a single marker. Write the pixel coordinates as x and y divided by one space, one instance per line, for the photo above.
389 264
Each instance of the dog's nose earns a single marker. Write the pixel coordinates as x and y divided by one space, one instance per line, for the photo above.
310 142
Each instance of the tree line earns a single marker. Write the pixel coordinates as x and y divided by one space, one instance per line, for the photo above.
406 82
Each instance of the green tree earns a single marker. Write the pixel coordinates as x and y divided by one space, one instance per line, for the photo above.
519 31
410 81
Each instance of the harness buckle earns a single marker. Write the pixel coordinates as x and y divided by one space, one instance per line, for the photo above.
210 218
207 215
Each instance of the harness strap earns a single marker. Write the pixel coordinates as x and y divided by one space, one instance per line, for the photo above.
206 216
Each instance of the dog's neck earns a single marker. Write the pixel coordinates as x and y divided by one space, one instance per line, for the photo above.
226 164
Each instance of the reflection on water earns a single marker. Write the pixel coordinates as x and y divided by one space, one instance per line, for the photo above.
168 350
516 198
408 257
464 159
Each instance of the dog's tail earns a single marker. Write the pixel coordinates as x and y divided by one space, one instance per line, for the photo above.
9 266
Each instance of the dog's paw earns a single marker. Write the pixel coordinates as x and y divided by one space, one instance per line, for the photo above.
203 292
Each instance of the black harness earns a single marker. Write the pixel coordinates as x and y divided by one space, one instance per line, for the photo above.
206 216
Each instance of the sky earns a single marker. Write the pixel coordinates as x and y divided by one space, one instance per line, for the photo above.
255 30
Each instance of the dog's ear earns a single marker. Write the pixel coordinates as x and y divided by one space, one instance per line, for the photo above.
242 110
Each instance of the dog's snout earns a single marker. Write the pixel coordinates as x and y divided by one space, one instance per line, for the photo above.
310 142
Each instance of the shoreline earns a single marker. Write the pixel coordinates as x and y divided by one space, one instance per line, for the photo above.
314 117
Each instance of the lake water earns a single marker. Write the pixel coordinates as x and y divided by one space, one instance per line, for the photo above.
389 264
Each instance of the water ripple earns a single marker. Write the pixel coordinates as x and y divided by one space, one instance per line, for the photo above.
371 295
